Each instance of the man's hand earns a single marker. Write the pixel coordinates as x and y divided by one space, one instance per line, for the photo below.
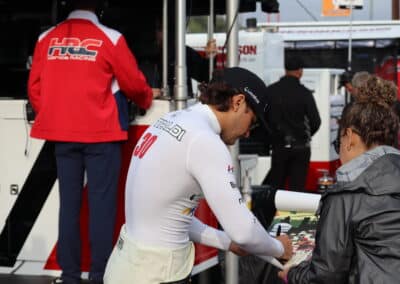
156 92
287 246
233 247
211 48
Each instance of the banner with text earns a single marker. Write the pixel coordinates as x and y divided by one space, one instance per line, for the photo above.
331 8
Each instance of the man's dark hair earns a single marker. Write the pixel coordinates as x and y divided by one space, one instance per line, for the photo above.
345 78
217 94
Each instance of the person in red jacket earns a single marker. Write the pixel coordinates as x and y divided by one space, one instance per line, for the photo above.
82 75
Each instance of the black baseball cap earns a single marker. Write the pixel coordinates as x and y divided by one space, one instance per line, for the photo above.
249 84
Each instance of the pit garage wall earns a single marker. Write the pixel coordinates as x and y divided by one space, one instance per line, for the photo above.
263 53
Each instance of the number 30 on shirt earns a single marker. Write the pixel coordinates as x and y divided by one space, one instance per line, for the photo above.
147 141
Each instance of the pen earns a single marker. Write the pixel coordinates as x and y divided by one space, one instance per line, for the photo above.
278 231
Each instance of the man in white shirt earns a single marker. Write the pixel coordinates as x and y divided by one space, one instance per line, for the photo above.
180 159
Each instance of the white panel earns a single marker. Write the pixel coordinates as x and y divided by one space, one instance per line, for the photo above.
347 3
303 31
18 152
157 109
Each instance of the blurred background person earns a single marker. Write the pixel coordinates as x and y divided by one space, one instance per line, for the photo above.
353 82
197 65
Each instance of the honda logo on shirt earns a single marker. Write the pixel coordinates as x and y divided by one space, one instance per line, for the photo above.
70 48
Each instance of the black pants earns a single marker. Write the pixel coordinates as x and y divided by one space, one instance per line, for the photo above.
102 162
289 164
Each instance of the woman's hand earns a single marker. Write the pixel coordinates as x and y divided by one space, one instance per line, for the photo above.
283 274
211 48
287 246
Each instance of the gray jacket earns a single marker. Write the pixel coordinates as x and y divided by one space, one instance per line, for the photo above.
358 233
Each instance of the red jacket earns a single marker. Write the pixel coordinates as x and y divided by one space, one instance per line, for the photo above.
78 68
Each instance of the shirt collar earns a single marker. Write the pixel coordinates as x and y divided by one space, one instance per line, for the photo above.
206 111
352 169
84 14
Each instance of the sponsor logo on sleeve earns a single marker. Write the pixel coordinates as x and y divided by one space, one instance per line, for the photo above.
189 211
194 198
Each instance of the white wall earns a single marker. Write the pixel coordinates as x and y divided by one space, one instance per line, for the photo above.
291 11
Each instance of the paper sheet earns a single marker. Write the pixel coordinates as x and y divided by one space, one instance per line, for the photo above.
296 201
301 229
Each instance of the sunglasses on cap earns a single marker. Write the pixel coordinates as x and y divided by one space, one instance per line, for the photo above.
254 123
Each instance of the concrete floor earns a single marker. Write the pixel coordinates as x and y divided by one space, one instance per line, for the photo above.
25 279
18 279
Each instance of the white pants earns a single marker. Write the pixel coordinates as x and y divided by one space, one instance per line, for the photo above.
131 262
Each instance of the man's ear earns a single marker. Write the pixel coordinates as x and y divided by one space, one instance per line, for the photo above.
237 101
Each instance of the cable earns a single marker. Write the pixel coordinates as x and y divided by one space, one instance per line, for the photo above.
26 123
307 11
189 12
23 261
18 267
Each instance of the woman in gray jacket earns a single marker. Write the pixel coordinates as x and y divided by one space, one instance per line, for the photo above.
358 234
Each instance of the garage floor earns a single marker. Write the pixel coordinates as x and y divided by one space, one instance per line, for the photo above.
19 279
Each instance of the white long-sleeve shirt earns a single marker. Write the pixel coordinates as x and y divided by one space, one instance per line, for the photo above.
177 161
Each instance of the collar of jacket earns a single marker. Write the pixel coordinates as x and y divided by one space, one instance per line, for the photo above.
376 172
85 15
208 114
290 78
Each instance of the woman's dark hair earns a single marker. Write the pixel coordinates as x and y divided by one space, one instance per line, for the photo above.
372 115
217 93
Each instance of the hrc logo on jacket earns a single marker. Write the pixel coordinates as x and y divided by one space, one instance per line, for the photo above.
71 48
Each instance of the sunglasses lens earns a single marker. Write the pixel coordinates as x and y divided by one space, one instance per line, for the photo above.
336 145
